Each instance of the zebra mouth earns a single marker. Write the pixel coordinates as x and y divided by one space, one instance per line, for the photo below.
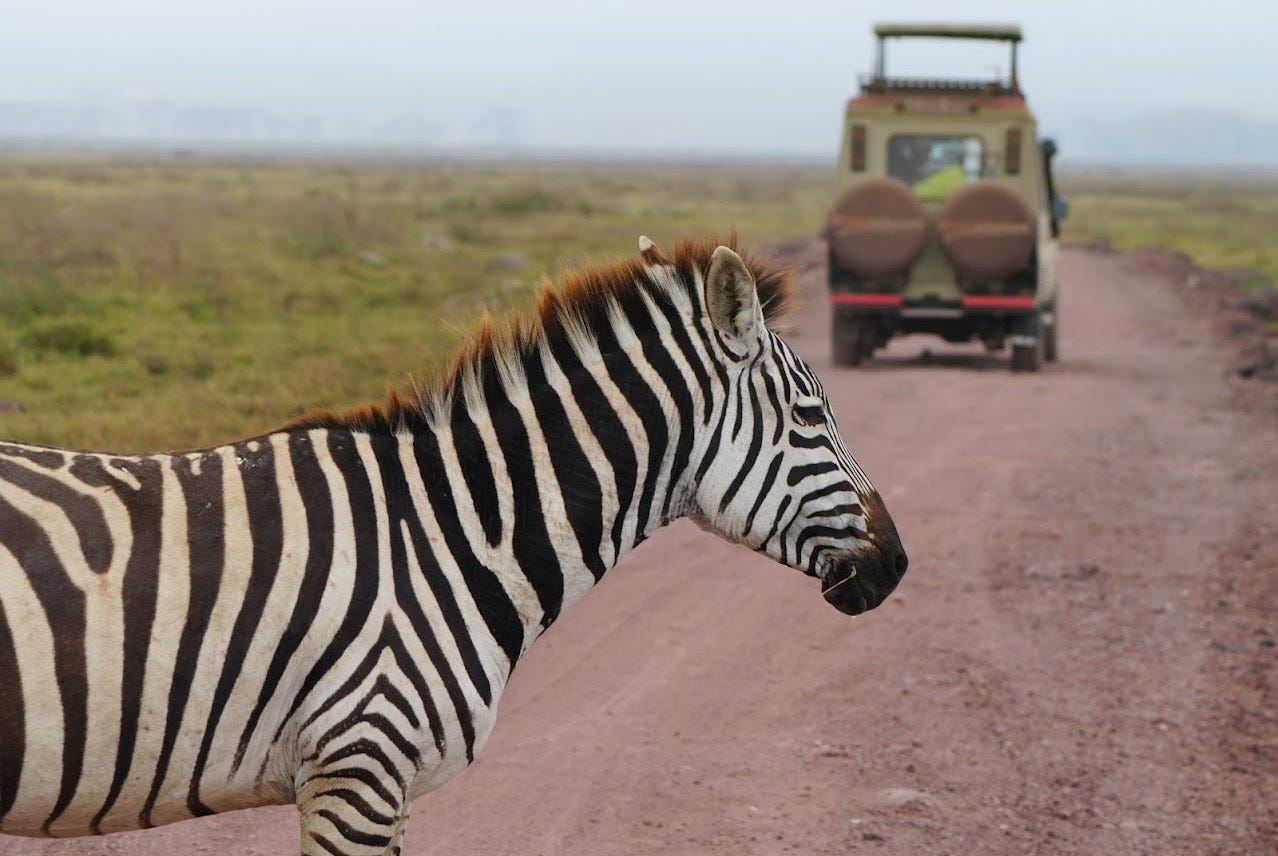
845 586
841 588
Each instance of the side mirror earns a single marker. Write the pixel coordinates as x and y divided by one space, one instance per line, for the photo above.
1060 207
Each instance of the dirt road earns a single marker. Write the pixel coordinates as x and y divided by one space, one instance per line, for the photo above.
1080 660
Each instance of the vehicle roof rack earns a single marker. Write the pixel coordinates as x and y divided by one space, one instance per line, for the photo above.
880 82
872 85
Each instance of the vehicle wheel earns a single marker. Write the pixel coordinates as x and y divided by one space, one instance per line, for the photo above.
1027 358
851 341
1049 337
878 228
986 231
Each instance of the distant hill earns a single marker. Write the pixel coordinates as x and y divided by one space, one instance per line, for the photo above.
1202 138
163 123
1206 138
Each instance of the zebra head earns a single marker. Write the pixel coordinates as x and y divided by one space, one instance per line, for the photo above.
773 471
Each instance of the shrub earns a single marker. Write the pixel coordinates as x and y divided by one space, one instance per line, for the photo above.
8 359
70 336
528 200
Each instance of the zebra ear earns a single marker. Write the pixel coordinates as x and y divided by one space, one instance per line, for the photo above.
733 301
650 253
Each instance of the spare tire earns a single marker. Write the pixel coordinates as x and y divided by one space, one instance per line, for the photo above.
986 231
877 228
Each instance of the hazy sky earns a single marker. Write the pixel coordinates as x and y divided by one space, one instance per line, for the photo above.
662 75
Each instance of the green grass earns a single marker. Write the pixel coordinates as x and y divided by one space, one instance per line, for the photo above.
158 303
166 303
1221 220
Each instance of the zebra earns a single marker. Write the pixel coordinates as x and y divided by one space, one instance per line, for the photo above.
327 614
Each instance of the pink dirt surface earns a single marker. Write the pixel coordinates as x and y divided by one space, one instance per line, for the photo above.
1080 659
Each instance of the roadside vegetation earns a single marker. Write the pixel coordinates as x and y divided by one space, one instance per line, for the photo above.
1221 220
158 303
152 304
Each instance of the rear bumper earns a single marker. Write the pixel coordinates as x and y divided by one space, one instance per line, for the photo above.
889 303
862 299
1002 303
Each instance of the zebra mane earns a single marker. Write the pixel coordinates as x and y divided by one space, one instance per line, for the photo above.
498 350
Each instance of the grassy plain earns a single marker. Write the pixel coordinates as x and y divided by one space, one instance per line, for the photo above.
1221 219
157 303
167 303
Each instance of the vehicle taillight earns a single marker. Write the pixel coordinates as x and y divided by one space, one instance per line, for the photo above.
858 148
1012 151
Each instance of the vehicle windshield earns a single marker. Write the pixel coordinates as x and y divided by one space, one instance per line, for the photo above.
935 167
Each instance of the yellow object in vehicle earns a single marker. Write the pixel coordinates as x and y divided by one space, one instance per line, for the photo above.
942 183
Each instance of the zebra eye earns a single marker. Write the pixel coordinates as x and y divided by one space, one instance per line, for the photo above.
809 414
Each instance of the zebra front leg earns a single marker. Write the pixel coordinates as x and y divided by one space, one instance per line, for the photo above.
355 805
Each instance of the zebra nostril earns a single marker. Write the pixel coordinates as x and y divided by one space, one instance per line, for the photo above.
902 561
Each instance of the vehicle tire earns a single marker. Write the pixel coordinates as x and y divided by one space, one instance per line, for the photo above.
877 229
1049 337
850 341
1027 358
986 231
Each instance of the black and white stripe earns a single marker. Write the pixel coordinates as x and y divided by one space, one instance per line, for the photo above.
328 614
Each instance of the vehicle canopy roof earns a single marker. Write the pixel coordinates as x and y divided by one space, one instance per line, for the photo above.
997 32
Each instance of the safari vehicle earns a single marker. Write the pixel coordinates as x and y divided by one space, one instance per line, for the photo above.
946 217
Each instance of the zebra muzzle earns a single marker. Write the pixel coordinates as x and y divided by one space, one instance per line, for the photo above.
857 582
843 591
827 590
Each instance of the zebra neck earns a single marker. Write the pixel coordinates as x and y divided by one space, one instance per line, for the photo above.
561 481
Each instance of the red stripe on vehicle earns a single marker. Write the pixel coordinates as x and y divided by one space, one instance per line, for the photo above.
865 299
997 301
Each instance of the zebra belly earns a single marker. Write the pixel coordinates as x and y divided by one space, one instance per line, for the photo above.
454 759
